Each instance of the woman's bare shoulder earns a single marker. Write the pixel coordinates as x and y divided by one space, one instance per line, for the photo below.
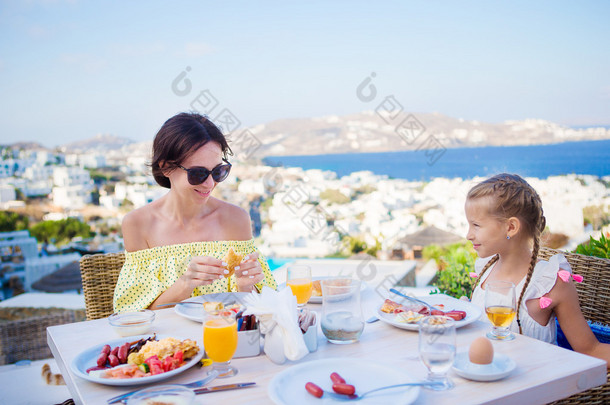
236 221
136 225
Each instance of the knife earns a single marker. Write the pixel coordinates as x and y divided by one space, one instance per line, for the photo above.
200 383
226 387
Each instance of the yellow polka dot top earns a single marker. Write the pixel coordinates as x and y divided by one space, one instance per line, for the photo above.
147 273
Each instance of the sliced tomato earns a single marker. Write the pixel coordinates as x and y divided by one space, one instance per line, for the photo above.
179 355
156 366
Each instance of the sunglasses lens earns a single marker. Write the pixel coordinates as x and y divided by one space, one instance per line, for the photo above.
220 173
198 175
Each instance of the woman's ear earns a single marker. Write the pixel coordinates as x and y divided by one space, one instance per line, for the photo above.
163 166
513 225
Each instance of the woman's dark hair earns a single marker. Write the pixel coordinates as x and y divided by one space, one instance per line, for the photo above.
178 138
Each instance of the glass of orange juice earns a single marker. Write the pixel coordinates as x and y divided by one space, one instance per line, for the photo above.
220 340
298 278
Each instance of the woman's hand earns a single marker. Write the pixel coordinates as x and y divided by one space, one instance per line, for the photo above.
203 270
248 273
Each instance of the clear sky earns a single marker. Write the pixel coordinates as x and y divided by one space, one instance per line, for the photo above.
72 69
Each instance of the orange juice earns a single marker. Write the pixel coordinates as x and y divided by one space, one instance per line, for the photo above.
301 288
220 339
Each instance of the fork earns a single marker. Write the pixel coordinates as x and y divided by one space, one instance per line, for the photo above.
430 307
356 397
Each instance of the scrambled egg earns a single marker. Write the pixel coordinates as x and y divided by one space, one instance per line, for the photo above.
408 317
163 348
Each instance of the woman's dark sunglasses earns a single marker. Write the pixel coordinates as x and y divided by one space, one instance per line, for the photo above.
197 175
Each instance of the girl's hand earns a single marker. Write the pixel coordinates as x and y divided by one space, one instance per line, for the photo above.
203 270
248 273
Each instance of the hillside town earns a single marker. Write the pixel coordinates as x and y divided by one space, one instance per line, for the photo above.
295 212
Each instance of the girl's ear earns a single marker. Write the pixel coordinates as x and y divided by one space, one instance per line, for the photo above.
513 225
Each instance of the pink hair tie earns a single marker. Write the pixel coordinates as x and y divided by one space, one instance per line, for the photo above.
472 274
577 277
545 302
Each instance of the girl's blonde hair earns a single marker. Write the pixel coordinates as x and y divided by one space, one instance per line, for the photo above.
511 196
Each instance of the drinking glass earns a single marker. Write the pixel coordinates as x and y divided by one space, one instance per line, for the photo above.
437 349
298 278
220 340
500 308
342 320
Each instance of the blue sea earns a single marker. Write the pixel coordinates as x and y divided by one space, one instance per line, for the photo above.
541 161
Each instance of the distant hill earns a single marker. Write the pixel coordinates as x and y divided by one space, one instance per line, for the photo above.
99 143
372 132
367 131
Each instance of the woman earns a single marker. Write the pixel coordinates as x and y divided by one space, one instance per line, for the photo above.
175 246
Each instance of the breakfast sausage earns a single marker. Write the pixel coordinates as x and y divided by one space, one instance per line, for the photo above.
113 360
106 349
314 390
101 359
345 389
337 379
115 351
123 352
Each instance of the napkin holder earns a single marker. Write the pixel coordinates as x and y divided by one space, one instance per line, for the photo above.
248 343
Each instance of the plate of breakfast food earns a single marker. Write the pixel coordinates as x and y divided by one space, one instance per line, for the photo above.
406 315
309 383
194 307
136 360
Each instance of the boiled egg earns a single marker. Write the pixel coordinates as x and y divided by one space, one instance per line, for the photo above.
481 351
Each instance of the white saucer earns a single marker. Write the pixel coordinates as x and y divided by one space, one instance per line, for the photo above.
500 367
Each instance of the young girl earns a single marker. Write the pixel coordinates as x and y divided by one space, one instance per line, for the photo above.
175 245
505 220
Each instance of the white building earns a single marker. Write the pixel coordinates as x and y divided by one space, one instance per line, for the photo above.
72 187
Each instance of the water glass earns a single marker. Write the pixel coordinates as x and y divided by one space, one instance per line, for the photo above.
437 349
500 307
342 320
220 340
298 278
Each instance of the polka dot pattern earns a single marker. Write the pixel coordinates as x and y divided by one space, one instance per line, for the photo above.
147 273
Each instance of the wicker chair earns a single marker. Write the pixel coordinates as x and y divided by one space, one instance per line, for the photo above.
100 273
23 332
594 297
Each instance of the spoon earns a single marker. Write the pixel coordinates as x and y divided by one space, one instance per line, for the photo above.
430 307
356 397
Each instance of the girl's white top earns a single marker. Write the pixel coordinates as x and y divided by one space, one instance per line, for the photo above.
543 280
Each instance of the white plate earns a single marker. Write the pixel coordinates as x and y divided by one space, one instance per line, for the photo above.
500 367
473 312
88 358
318 300
288 386
194 312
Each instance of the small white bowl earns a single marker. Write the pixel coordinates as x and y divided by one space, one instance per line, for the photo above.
166 394
132 323
500 367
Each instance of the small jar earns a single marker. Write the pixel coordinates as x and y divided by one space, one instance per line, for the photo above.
132 323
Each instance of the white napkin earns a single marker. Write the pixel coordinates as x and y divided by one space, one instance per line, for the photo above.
277 317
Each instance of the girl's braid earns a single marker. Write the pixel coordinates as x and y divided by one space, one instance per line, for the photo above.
487 266
537 232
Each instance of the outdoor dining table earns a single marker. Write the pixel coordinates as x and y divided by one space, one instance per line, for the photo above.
543 372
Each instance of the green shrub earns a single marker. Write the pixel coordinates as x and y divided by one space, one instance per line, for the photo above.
597 248
455 263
